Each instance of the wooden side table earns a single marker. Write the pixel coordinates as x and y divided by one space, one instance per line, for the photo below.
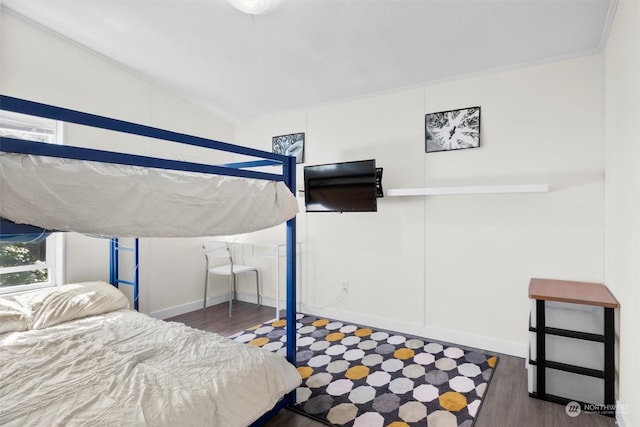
592 294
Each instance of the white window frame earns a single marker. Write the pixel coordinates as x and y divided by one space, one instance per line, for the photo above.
55 243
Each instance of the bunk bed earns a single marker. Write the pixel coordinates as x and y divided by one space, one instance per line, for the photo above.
33 173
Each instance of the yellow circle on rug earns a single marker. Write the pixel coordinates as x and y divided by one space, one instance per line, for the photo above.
335 336
320 322
357 372
364 332
404 353
279 323
259 342
452 401
253 328
305 371
398 424
492 361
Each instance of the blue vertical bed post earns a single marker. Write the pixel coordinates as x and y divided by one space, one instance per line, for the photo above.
113 262
289 172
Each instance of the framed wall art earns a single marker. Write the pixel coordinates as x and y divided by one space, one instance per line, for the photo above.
452 130
290 145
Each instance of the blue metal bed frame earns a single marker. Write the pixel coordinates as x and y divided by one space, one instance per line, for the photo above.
240 169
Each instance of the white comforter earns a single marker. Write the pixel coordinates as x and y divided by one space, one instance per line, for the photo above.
131 201
124 368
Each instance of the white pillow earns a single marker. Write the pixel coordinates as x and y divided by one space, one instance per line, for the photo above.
13 317
48 307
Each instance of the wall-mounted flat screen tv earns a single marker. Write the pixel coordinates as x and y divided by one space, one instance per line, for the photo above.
341 187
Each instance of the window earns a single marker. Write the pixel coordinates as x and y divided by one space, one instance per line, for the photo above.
32 264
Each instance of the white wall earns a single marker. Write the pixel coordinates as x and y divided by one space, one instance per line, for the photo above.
39 66
450 267
622 89
541 124
457 268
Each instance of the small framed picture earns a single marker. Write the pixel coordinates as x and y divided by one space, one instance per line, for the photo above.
452 130
290 145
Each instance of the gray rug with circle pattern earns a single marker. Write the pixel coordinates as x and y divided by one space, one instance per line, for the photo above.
357 376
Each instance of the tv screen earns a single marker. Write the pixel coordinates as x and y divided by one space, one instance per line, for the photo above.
341 187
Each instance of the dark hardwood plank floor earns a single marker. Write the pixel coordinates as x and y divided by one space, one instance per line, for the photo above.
507 403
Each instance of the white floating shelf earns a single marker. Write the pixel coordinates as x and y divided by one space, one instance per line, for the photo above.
478 189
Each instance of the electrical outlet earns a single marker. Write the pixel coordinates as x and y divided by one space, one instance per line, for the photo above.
344 287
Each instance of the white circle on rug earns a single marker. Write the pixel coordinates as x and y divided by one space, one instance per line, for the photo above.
378 379
396 339
401 385
264 330
442 419
354 354
335 350
337 366
461 384
453 353
414 344
369 419
367 345
339 387
307 329
426 393
303 394
424 358
473 407
363 394
320 360
303 342
319 380
392 365
273 346
342 413
245 338
348 329
412 412
334 326
469 370
433 348
372 359
379 336
351 340
413 371
445 364
481 389
320 345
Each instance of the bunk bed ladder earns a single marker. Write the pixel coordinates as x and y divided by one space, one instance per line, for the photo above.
116 247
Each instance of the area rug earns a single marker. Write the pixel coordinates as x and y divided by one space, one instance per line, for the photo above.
356 376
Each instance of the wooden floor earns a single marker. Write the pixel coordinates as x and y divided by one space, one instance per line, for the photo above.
507 403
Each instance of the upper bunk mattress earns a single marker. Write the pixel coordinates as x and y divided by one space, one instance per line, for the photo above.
131 201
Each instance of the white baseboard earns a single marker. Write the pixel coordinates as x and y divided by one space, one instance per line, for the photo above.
197 305
186 308
438 334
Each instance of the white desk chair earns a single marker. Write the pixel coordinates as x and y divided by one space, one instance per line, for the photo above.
221 250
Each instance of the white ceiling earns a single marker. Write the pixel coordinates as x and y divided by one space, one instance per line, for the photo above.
313 52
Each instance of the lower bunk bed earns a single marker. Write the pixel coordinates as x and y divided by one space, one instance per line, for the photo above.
76 355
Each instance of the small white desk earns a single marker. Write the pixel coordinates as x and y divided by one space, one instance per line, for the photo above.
274 250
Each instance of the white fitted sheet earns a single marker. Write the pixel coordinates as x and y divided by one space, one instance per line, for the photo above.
125 368
130 201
